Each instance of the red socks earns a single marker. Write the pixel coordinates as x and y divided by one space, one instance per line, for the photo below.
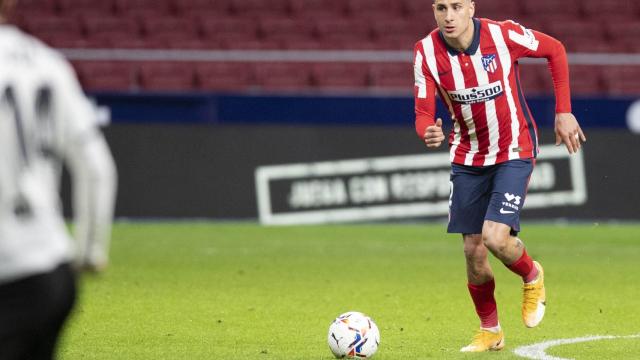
524 267
485 303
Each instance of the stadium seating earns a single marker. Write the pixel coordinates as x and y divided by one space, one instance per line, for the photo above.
259 7
374 9
319 9
313 25
618 9
347 76
143 8
167 76
280 76
85 7
620 80
285 30
499 10
552 10
111 31
586 79
391 76
223 76
107 75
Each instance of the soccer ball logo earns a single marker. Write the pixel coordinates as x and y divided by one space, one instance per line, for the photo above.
353 335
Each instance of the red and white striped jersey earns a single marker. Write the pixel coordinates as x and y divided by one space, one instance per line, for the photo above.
481 88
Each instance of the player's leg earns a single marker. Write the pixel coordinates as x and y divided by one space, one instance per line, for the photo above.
468 202
480 280
32 311
499 233
481 287
18 319
60 290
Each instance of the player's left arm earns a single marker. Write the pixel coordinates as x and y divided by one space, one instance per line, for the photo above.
93 172
524 42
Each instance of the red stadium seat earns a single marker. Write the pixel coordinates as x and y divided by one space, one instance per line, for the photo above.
36 8
165 76
340 75
86 7
57 31
341 30
285 30
107 75
259 7
304 44
229 29
308 9
398 33
191 8
534 23
143 8
552 10
586 80
223 76
623 31
283 76
574 45
534 79
170 31
577 34
418 9
622 80
54 25
499 10
618 9
374 9
110 31
392 75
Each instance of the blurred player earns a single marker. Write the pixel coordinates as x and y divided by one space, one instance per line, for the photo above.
45 119
473 65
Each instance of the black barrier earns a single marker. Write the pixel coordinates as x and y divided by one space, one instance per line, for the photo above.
201 171
319 109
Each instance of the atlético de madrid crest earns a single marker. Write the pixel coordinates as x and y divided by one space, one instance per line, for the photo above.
490 63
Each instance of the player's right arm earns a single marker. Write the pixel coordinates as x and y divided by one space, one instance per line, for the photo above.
425 101
93 173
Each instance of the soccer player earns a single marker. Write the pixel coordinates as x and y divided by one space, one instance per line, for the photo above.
45 119
472 64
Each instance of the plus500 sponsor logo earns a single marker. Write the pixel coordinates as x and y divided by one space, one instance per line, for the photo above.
477 94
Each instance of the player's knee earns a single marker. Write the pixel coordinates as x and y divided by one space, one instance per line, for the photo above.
473 246
495 239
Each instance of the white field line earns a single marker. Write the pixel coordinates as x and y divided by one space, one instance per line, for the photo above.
538 351
366 56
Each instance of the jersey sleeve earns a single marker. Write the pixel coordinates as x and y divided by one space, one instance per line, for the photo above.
92 170
424 92
523 42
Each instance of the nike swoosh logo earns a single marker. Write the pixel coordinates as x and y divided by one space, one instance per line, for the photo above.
503 211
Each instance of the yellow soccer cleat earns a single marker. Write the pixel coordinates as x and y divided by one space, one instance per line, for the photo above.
533 300
485 340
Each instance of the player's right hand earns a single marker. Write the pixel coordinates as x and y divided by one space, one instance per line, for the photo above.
434 136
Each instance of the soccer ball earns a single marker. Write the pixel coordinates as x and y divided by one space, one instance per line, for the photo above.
352 335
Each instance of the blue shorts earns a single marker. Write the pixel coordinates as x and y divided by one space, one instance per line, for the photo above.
493 193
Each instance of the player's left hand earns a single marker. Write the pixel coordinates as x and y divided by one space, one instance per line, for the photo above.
569 132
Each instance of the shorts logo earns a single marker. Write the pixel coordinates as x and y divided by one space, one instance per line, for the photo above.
477 94
511 197
512 203
490 63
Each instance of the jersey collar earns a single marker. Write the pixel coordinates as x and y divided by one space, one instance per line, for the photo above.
474 44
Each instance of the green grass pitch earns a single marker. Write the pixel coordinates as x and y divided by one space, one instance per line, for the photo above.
241 291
